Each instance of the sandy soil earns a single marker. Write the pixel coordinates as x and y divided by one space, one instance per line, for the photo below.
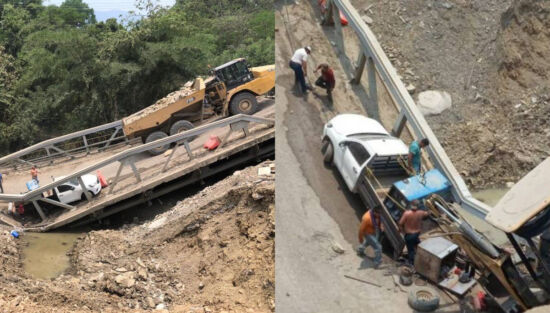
213 252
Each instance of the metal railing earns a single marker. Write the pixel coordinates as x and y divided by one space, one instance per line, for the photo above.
376 60
236 123
69 145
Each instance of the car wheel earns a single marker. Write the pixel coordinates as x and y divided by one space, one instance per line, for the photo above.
156 136
243 103
328 151
423 299
83 197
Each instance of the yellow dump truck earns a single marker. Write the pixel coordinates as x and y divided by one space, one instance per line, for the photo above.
231 89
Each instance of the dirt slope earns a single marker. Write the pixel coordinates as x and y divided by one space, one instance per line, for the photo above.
213 252
492 57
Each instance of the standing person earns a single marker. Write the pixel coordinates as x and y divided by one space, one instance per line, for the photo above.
414 160
369 232
1 181
34 173
298 63
411 225
326 80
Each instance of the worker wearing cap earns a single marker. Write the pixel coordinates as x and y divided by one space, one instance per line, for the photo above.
369 232
411 225
298 63
326 80
414 159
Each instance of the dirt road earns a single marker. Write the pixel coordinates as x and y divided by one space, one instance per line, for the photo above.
320 221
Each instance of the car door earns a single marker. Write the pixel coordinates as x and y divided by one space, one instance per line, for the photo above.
353 157
65 193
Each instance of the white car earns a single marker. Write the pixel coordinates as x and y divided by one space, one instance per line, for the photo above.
353 142
71 191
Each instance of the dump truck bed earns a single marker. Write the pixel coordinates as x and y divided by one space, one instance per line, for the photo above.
163 109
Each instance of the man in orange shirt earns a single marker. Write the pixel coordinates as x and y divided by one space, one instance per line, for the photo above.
411 225
369 232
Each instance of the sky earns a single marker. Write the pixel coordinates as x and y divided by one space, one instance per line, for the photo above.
105 9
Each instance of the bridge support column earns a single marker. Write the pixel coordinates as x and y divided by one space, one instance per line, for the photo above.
399 124
39 209
361 60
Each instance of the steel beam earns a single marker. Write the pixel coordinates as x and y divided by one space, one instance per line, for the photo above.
39 210
360 68
135 170
399 124
57 203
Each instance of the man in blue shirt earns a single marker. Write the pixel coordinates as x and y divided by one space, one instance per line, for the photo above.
415 156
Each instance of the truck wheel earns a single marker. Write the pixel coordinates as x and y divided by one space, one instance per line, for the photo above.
181 126
327 150
271 92
243 103
423 299
156 136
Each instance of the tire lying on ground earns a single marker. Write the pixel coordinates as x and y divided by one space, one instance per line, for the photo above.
243 103
156 136
328 151
423 299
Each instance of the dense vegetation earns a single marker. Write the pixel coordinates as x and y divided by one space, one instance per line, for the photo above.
62 71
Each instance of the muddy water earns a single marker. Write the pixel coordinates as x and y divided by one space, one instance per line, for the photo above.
45 254
490 196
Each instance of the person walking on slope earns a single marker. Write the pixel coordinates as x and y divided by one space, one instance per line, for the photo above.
369 232
326 80
415 160
411 225
298 63
34 173
1 181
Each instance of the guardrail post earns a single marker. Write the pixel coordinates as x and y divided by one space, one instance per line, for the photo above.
86 144
115 181
188 149
172 154
135 170
112 137
359 69
371 71
84 189
399 124
39 209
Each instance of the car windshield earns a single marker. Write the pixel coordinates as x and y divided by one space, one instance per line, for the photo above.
369 136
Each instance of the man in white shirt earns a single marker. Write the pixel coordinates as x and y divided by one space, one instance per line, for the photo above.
298 63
